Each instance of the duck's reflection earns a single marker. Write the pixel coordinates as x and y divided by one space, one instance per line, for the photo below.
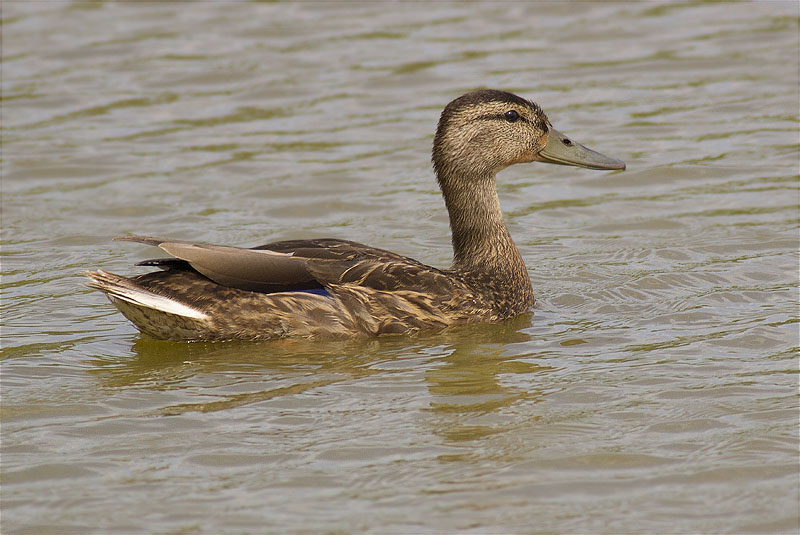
484 373
466 369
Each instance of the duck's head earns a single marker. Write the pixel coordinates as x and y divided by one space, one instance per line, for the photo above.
485 131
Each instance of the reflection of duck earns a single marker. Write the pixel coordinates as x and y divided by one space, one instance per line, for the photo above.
459 367
337 288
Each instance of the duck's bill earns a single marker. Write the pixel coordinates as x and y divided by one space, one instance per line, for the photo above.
562 150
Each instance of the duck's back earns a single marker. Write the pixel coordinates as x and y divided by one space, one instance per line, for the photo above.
300 288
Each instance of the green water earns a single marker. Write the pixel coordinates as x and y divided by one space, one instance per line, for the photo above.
654 389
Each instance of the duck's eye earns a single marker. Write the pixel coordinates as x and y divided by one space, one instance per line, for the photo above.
511 116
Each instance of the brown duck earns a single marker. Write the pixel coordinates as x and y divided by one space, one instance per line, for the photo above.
327 288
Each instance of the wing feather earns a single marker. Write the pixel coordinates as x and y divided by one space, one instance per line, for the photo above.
301 264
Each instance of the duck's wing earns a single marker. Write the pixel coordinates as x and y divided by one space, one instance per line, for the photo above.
298 264
347 262
259 270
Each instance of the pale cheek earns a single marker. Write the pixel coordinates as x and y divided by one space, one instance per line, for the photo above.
532 154
526 156
539 147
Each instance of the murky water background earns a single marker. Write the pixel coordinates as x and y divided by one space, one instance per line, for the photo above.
653 391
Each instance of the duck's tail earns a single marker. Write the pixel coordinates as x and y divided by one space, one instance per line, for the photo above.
155 314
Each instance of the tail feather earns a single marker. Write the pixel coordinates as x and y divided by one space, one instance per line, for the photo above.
125 289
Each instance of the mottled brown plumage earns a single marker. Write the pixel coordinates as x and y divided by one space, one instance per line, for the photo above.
328 288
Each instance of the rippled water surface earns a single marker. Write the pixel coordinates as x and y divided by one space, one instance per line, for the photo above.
654 389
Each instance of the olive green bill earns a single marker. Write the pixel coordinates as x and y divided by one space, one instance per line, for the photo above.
562 150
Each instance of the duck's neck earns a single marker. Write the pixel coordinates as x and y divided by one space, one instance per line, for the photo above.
481 241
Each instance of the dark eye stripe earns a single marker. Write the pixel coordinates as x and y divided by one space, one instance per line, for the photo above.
500 117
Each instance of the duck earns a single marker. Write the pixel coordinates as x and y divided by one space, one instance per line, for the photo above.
329 288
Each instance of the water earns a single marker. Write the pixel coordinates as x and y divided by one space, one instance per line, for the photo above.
654 389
